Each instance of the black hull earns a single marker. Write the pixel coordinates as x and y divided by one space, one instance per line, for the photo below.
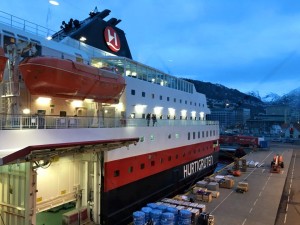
119 204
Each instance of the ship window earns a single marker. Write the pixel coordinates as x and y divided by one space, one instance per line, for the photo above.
132 92
185 101
152 163
161 160
198 134
194 135
180 101
189 135
176 136
169 158
130 169
153 95
142 139
116 173
174 99
214 133
195 104
210 133
62 113
168 98
7 41
203 134
206 133
143 94
160 97
142 166
191 103
169 136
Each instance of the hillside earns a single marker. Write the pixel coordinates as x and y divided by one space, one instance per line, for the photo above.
219 96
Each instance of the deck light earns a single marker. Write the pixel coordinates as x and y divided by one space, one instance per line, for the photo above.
201 115
26 111
82 39
43 100
77 103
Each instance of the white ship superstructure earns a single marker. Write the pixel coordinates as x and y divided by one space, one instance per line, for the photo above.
91 143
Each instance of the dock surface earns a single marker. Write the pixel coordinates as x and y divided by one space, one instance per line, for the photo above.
269 200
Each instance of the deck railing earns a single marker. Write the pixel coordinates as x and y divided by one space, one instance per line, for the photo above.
57 122
25 25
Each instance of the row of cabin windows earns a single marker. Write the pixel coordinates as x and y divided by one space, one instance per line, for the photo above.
204 134
169 117
160 161
168 98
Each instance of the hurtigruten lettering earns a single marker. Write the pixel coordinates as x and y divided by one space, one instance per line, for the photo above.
196 166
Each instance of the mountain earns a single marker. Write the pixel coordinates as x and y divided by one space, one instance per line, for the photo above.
219 96
271 97
292 99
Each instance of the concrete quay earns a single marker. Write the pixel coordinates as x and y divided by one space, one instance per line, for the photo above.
266 201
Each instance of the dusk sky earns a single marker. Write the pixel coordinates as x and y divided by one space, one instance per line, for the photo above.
242 44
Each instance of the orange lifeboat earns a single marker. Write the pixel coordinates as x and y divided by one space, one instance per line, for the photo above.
55 77
3 61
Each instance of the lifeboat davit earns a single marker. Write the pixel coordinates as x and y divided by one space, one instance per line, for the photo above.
3 61
56 77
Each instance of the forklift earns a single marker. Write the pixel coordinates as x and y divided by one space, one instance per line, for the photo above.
277 164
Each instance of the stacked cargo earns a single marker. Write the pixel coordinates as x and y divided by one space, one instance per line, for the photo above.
226 183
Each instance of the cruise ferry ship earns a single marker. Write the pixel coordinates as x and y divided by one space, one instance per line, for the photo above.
75 127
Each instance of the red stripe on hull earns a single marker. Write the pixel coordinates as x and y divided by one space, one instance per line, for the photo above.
64 78
124 171
3 61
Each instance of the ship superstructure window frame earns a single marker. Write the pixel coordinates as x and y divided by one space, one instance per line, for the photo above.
143 94
130 169
132 92
116 173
